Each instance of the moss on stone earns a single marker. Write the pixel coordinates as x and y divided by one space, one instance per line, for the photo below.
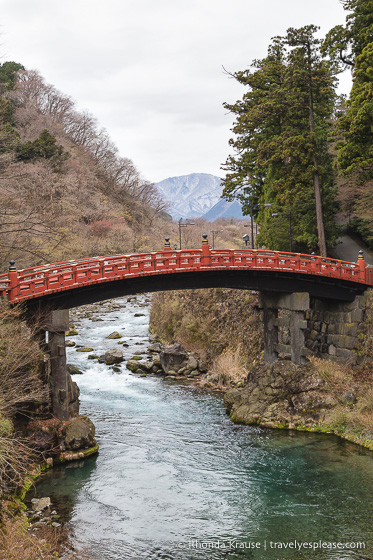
6 426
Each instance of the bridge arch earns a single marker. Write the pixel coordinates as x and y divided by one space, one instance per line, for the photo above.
285 280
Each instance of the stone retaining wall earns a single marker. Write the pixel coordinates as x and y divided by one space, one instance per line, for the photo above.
336 329
297 326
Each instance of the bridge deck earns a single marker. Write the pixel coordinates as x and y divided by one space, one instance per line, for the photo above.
37 282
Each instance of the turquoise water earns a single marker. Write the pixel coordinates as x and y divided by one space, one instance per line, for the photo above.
175 479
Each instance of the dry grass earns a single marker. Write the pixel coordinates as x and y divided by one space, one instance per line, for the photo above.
48 543
20 363
15 461
363 413
20 385
228 369
337 377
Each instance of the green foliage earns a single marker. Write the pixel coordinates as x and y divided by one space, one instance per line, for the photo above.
353 45
355 153
6 110
8 74
345 43
44 147
281 129
9 139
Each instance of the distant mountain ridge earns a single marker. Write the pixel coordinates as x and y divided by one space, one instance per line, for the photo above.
195 195
190 196
224 209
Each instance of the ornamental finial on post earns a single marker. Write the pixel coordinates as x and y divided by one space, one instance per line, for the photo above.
167 244
361 263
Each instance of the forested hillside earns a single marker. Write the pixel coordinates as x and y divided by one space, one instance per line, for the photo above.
65 192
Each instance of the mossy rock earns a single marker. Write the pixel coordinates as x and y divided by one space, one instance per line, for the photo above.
136 358
71 332
114 335
79 433
84 349
132 365
73 370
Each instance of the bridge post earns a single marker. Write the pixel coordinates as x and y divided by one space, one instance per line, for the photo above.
13 281
297 303
205 251
270 334
361 264
57 324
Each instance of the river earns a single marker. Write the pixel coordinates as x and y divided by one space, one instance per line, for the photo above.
175 479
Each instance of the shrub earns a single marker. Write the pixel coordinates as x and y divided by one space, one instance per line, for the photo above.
20 385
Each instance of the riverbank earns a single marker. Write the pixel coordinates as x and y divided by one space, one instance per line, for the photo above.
325 396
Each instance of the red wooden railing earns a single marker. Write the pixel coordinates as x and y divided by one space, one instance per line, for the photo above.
40 281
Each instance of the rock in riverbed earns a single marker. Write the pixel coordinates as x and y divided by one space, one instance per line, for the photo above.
114 356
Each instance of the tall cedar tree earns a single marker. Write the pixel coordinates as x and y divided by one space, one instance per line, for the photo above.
352 46
281 143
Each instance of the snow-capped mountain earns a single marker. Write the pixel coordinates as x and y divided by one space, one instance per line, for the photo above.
224 209
190 196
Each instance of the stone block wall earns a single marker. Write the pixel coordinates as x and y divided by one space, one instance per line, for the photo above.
335 329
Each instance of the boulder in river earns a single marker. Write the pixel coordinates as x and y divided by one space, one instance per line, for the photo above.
173 358
132 365
156 347
114 335
79 433
113 356
145 366
73 370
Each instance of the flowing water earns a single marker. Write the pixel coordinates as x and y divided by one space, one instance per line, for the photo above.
176 479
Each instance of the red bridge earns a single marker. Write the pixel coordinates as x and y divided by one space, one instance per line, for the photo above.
54 288
69 284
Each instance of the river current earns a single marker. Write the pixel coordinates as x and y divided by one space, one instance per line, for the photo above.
175 479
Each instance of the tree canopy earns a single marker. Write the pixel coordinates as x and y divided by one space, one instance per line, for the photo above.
280 143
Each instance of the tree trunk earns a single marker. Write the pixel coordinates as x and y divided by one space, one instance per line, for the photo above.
319 216
316 178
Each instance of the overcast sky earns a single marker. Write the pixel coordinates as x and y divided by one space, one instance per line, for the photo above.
151 70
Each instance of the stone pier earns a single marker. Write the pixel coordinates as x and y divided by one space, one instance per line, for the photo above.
57 324
296 305
296 326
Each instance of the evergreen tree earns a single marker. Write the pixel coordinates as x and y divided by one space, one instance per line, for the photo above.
281 143
353 45
43 147
8 75
345 43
